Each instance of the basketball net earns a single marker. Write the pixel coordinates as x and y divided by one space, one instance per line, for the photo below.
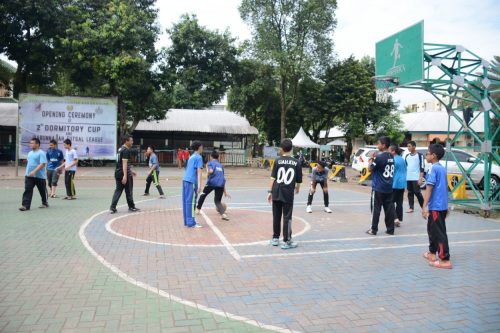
384 85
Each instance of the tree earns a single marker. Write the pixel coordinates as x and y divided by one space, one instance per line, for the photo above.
6 75
108 49
253 95
293 36
199 64
28 32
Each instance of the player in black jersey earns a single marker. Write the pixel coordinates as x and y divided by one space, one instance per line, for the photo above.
286 178
382 167
124 176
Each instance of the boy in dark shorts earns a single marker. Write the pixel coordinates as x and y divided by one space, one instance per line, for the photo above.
215 182
153 172
435 209
382 168
286 178
54 159
319 176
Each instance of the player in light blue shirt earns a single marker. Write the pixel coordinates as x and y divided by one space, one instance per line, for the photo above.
35 175
398 183
435 209
191 185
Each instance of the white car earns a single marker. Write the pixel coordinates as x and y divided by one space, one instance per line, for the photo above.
360 161
466 160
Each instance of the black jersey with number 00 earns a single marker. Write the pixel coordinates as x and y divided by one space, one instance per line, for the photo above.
123 154
287 171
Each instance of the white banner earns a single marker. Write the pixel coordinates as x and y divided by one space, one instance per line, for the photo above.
90 124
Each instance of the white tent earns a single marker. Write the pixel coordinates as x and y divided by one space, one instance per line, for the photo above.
302 140
337 142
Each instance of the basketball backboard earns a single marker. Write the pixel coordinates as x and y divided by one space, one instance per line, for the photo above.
402 55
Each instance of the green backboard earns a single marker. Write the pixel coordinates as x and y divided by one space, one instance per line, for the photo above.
402 55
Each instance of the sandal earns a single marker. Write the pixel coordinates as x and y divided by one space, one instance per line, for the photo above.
426 255
371 232
409 211
439 264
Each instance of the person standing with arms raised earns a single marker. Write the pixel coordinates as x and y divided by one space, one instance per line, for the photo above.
124 176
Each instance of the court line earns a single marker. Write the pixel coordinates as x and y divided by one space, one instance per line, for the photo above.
395 236
290 254
221 237
129 279
109 228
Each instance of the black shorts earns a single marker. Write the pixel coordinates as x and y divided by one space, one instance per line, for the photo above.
52 177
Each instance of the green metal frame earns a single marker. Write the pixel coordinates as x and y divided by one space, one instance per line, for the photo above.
458 78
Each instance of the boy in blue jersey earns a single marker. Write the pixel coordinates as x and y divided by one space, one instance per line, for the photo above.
398 183
382 168
54 160
191 185
35 176
435 209
215 182
153 172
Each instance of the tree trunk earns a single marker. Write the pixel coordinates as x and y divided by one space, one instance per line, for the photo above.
283 122
20 82
134 125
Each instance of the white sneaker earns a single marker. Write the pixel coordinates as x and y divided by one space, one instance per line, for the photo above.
225 217
309 209
198 211
327 210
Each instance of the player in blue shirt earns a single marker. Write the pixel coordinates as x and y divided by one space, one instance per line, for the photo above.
153 172
35 176
382 167
398 183
54 159
435 209
215 182
191 185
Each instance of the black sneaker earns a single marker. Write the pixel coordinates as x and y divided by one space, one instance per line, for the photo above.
145 195
133 209
371 232
390 233
44 206
23 209
112 210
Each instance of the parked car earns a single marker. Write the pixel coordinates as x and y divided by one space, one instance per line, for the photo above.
360 161
466 160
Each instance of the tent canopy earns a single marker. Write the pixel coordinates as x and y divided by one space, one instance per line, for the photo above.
302 140
337 142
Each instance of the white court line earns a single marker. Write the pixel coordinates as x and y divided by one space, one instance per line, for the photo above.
109 228
131 280
395 236
221 236
289 254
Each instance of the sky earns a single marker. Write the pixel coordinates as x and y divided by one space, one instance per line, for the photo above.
361 23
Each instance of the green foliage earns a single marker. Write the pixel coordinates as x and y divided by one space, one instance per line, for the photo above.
199 64
253 95
28 30
294 36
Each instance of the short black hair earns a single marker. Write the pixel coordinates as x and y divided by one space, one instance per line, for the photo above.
215 154
322 163
385 140
54 142
413 143
126 137
196 145
437 150
37 140
68 142
286 145
152 147
396 149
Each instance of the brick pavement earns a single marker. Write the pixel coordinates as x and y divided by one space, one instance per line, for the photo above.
338 280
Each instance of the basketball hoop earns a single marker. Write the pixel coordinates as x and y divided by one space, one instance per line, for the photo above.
384 85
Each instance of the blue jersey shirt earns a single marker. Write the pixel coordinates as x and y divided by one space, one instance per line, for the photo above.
216 179
383 172
54 158
194 163
437 177
319 177
35 158
153 159
399 180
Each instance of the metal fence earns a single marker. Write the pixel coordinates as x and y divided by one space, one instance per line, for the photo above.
169 157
